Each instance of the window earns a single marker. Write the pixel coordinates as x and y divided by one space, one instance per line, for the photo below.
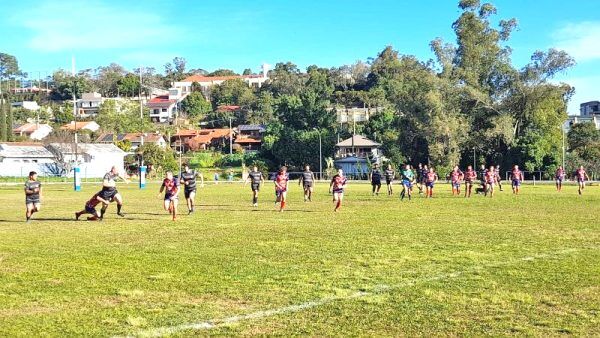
164 110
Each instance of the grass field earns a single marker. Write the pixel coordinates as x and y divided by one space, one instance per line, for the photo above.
526 265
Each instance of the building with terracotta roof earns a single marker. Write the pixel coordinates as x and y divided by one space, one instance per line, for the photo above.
81 125
34 131
203 139
249 136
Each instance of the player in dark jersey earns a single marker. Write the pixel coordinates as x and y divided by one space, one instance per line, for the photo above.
33 195
581 176
422 171
498 177
456 177
482 179
188 179
109 190
389 179
336 187
430 179
490 181
470 177
256 178
170 186
516 177
408 179
559 177
307 179
375 177
90 207
281 186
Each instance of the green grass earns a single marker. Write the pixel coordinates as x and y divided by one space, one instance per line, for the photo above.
526 265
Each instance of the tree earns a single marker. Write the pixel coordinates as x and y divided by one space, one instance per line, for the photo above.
123 117
195 105
158 157
222 72
129 85
108 78
232 92
9 125
3 125
247 71
63 114
9 66
65 85
584 140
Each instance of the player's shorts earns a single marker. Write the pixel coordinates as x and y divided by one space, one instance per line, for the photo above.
308 185
188 192
516 183
169 197
388 182
456 185
490 184
580 180
279 192
376 182
407 183
559 179
340 191
255 186
108 194
429 184
32 201
90 210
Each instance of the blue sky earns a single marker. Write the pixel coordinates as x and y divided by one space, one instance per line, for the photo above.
240 34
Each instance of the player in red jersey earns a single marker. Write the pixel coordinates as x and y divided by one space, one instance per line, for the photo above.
336 187
170 186
470 177
430 179
456 177
559 177
516 177
581 176
490 181
90 207
281 186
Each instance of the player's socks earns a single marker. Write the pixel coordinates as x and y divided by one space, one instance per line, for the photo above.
119 206
77 216
103 211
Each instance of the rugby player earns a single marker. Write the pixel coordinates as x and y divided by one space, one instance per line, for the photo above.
581 176
90 207
498 178
375 178
33 195
336 187
389 179
256 178
408 179
516 177
109 190
559 177
281 186
170 186
470 177
307 179
430 179
490 181
456 177
188 179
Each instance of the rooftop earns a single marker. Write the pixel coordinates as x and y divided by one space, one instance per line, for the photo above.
359 141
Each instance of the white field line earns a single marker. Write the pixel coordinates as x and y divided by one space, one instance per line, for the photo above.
377 289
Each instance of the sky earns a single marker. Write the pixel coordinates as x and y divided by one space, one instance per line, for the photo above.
239 34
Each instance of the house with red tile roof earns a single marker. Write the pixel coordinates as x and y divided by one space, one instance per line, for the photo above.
202 139
34 131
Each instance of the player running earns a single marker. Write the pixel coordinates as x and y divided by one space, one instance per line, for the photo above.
456 177
581 176
33 195
389 179
559 177
336 187
170 186
470 177
307 179
490 181
256 178
90 207
422 171
408 179
188 179
483 179
430 179
281 186
375 177
109 190
498 177
516 177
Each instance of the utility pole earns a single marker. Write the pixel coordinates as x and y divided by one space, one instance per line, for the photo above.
74 106
474 159
320 157
230 137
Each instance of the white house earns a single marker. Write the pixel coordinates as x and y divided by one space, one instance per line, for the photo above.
34 131
89 104
163 109
83 125
29 105
94 159
19 158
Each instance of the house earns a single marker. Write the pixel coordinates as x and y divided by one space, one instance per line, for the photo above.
89 104
355 154
194 140
94 159
28 105
19 158
164 108
135 139
205 82
588 109
249 137
354 114
34 131
83 125
569 122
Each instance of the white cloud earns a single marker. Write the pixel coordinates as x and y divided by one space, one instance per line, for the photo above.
580 40
93 25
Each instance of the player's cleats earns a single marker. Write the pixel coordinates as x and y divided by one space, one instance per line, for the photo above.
121 214
77 216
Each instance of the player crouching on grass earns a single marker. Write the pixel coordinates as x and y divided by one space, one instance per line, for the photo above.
33 195
336 187
307 180
171 188
516 177
90 207
281 186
